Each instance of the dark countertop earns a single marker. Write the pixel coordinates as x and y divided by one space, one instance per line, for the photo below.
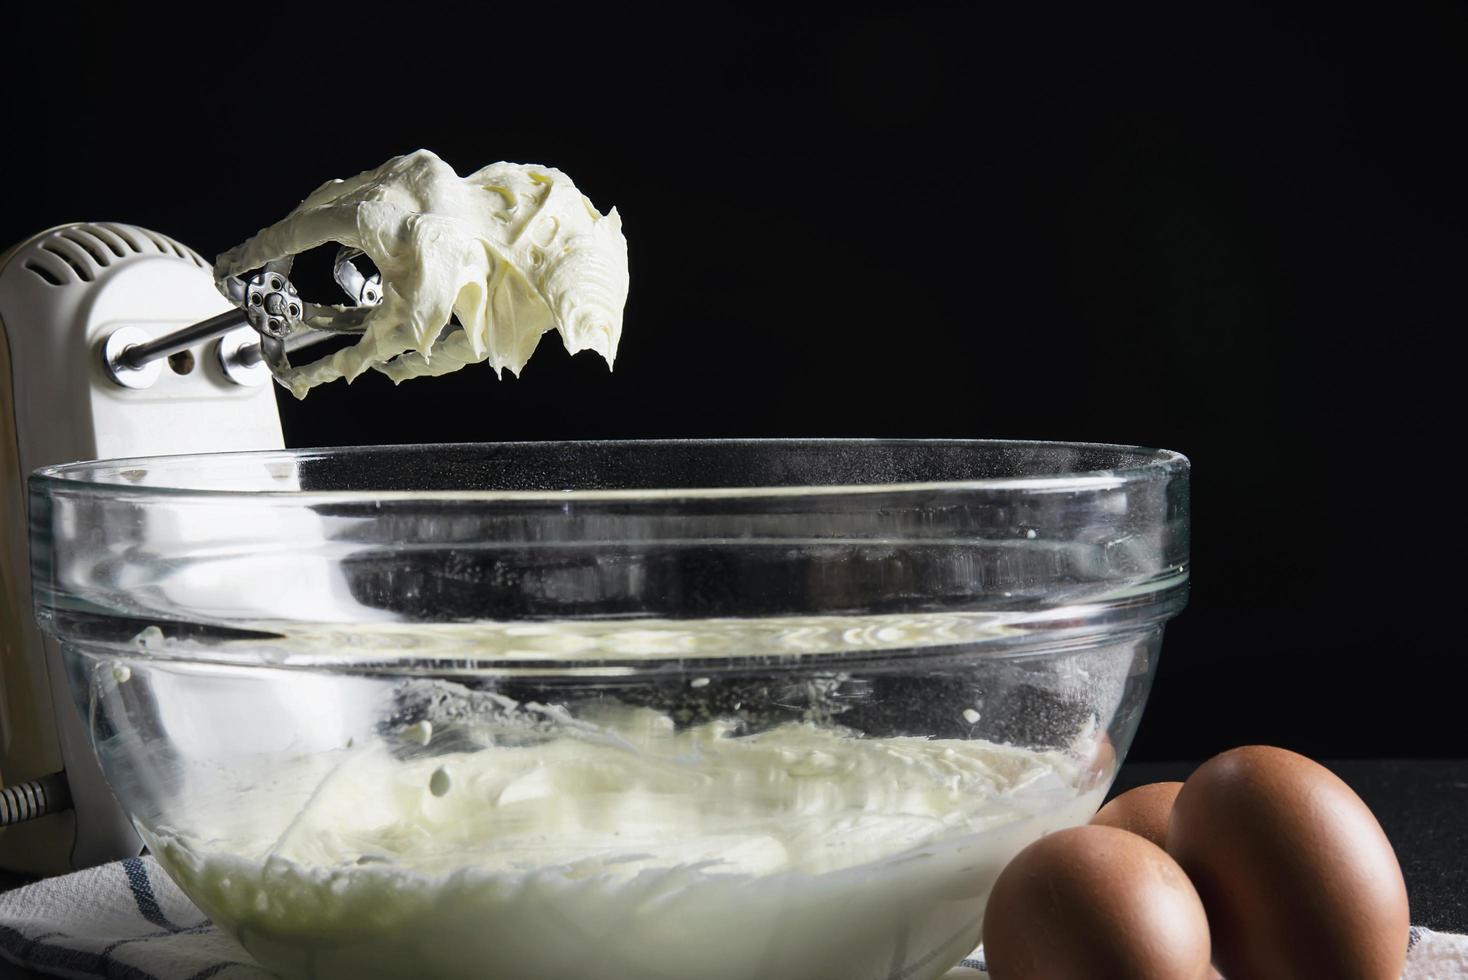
1421 804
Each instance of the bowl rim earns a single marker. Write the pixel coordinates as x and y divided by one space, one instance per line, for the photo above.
91 476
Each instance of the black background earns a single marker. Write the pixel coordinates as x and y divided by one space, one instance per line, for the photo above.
1235 232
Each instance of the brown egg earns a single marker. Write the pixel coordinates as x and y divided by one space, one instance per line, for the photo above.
1297 876
1094 903
1144 810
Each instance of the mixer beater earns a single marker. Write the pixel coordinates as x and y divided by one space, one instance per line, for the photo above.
266 301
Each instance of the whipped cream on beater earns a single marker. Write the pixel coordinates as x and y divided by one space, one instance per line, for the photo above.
511 250
627 846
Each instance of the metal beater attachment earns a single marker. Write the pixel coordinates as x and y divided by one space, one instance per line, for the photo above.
270 304
364 290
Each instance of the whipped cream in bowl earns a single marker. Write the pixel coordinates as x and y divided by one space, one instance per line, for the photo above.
628 847
711 823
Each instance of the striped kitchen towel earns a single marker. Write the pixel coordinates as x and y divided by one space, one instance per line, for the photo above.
125 920
128 921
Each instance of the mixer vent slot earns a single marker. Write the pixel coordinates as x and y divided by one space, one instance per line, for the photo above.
70 253
105 234
162 244
168 246
89 243
131 237
44 272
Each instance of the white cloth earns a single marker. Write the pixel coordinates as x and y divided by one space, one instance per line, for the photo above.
128 921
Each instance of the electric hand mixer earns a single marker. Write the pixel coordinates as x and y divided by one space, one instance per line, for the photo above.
90 313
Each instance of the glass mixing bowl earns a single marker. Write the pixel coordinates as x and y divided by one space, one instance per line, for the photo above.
732 710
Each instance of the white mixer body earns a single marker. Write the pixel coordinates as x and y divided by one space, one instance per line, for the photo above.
62 294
